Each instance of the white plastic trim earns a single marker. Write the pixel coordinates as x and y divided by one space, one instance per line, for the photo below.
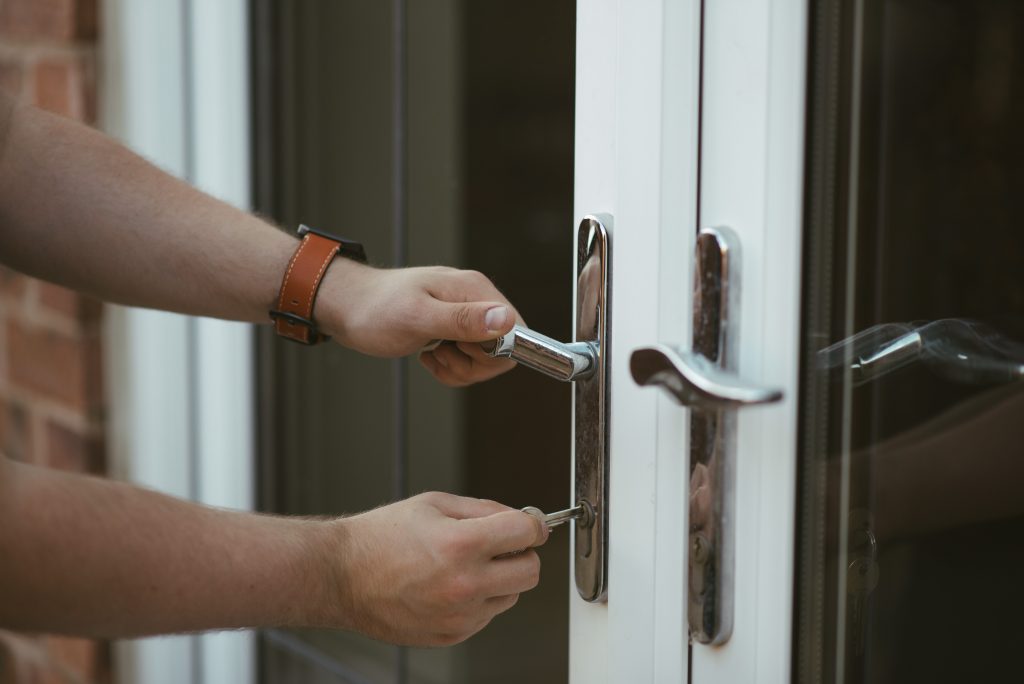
637 69
752 181
175 75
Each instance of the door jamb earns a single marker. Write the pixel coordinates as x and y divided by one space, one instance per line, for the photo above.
181 415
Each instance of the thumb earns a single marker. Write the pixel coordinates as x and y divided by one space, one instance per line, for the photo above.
470 321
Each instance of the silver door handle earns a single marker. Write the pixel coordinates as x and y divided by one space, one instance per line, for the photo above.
559 360
692 380
704 379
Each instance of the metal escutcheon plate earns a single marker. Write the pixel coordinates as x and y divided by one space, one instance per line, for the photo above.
591 409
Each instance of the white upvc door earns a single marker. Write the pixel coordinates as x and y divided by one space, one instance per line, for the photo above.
637 87
665 150
175 90
752 146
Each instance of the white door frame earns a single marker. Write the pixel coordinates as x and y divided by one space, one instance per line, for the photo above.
753 127
175 88
637 82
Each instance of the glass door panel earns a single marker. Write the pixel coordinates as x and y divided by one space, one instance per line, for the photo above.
911 457
434 147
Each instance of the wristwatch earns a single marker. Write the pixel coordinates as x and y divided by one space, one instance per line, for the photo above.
293 317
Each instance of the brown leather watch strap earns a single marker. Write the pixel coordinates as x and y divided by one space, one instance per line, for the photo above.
293 317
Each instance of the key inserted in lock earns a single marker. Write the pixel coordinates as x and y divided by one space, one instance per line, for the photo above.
583 514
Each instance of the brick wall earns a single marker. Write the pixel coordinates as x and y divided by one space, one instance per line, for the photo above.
51 397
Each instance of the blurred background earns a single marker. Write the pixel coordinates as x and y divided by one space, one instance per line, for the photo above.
51 384
436 133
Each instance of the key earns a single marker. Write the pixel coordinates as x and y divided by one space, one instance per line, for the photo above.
581 512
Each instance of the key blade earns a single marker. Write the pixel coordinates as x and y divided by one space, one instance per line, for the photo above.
556 519
582 512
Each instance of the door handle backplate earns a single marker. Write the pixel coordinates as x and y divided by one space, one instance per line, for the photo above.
704 379
590 406
584 362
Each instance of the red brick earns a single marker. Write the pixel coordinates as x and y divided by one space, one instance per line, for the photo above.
68 302
11 76
55 365
59 20
64 85
15 431
67 449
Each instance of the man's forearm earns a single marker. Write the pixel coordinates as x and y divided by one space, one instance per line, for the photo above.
87 556
79 209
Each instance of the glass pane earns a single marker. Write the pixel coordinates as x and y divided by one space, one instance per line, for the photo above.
295 657
912 438
488 149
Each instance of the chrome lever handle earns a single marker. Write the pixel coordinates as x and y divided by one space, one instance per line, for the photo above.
704 379
559 360
692 380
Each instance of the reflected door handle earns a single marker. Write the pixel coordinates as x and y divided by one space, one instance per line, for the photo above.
565 361
705 380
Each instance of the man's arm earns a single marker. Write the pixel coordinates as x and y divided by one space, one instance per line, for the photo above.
86 556
79 209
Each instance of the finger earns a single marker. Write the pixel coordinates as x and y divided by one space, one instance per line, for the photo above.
485 366
512 574
700 507
465 368
509 531
431 345
487 371
463 507
499 604
474 351
429 362
473 321
699 477
457 363
464 286
441 373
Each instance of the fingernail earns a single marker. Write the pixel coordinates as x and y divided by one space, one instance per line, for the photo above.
495 318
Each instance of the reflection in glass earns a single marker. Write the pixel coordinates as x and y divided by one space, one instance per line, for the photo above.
911 461
960 350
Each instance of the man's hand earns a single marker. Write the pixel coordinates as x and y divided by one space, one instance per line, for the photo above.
433 570
397 312
97 558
